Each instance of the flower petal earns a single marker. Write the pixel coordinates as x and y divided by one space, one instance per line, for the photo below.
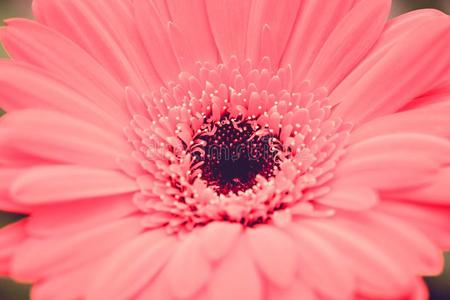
432 220
11 237
333 277
28 41
54 136
431 119
314 24
188 269
350 198
69 218
436 192
236 275
274 253
279 17
112 40
192 19
412 159
153 29
7 177
132 266
63 253
376 271
218 238
61 183
23 86
229 24
353 37
376 88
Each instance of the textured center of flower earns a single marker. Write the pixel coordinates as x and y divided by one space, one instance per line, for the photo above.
236 142
231 153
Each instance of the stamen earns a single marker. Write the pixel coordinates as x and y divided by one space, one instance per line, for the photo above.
232 152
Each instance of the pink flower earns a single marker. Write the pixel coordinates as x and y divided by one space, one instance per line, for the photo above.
265 150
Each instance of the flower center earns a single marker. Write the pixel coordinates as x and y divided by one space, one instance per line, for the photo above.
234 142
232 152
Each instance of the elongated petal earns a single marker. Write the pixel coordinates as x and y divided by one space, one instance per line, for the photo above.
335 278
274 253
11 237
64 253
218 238
133 266
229 24
48 184
314 24
30 42
377 271
188 259
353 37
279 17
69 218
376 88
108 23
22 86
226 285
54 136
7 177
191 17
432 119
412 159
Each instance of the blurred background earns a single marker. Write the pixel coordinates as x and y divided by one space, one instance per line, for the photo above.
439 286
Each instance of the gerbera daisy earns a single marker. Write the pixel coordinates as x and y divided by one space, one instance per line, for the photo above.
225 149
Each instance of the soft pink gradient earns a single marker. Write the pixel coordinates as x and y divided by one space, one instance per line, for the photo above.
358 210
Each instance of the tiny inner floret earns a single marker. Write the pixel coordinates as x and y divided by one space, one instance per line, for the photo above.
230 153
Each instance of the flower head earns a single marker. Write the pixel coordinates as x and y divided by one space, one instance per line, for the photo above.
225 149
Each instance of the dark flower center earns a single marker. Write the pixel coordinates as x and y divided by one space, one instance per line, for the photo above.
232 152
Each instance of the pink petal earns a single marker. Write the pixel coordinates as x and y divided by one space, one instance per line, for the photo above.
188 269
375 88
67 285
403 24
438 95
22 86
236 276
412 160
377 273
152 27
350 198
229 24
423 256
314 24
432 220
58 137
7 177
11 237
192 19
349 42
58 183
113 39
298 289
69 218
428 120
436 192
133 266
280 17
322 265
217 238
274 253
28 41
60 254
